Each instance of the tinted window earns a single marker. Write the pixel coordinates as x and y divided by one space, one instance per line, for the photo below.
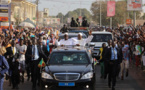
101 37
69 58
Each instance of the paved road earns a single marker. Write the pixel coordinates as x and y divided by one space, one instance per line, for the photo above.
135 81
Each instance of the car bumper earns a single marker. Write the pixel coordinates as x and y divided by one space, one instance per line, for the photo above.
56 83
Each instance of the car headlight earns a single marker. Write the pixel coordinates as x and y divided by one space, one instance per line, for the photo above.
88 76
46 75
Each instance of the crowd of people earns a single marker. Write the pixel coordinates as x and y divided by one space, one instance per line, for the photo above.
22 50
126 48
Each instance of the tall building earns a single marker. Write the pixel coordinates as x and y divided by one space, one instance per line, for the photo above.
46 12
40 18
22 9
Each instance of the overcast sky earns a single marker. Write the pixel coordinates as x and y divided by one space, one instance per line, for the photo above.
56 6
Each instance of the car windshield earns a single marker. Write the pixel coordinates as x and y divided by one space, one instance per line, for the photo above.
69 58
101 37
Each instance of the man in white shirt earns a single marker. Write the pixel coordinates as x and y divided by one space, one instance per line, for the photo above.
65 41
82 42
22 50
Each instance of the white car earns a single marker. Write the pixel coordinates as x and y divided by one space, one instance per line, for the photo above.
99 38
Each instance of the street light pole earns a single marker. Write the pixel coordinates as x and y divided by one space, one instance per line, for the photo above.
37 3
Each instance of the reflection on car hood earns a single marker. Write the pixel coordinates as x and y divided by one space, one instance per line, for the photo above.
70 68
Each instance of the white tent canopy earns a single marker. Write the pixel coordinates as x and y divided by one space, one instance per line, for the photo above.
26 24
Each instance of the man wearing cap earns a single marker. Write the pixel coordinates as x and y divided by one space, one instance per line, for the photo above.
65 41
82 42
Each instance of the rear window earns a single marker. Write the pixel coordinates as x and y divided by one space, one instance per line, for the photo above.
69 58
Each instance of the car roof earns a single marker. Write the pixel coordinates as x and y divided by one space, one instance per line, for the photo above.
101 32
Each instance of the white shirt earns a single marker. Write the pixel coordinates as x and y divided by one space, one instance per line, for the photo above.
44 42
65 42
82 42
36 54
22 49
14 52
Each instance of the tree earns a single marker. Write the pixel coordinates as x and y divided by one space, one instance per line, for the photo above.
121 13
76 14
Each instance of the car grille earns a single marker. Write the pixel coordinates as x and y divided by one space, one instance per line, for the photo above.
66 76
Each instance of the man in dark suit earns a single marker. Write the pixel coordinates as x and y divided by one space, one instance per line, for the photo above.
112 54
43 50
9 56
37 55
28 57
15 67
105 58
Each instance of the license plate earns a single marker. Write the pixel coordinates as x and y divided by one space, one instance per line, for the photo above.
66 84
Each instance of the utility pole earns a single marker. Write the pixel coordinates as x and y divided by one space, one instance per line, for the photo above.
80 8
37 3
100 14
111 19
134 21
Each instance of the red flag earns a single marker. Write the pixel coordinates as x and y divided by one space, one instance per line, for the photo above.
110 8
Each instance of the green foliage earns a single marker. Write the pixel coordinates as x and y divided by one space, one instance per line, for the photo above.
121 13
76 14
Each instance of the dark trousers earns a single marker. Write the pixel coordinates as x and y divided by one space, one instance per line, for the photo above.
106 70
137 58
112 73
35 72
118 69
15 79
28 69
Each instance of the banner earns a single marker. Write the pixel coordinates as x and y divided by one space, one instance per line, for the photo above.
4 25
5 1
128 21
110 8
4 19
134 5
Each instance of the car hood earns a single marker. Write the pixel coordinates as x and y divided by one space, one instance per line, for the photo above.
70 68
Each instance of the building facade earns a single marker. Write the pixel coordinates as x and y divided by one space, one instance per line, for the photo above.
21 10
52 21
